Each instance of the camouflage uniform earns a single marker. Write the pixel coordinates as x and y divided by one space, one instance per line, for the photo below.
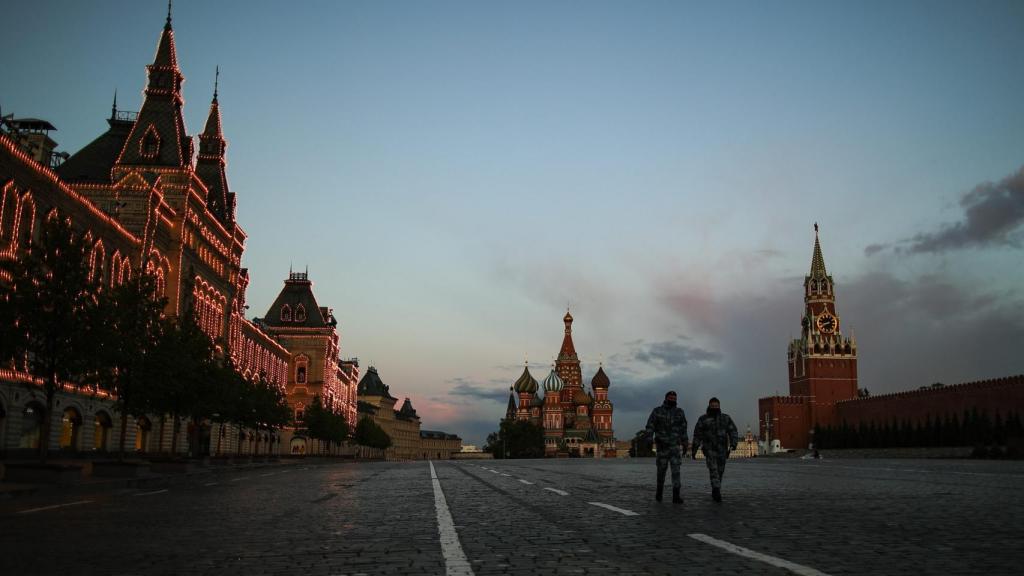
669 428
716 436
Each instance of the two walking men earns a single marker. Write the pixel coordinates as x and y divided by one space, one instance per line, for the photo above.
715 433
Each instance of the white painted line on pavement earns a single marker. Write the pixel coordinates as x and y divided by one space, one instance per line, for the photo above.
55 506
268 474
150 493
240 478
557 491
495 472
741 551
526 482
622 511
503 474
455 561
210 484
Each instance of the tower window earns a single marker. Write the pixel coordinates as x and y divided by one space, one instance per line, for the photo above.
149 147
300 313
286 313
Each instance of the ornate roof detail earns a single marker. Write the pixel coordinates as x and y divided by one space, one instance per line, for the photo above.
817 260
568 351
510 410
372 385
407 412
526 383
600 380
161 110
211 163
298 291
553 383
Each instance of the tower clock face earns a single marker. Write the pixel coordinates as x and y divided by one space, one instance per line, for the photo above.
828 323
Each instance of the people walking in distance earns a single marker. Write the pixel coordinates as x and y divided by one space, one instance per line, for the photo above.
668 425
716 435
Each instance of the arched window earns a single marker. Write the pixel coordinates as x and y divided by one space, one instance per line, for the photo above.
149 146
143 427
70 429
300 313
300 370
31 423
286 313
299 412
8 214
101 431
28 221
96 261
161 283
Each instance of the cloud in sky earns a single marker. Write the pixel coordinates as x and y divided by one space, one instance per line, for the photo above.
993 213
468 390
673 353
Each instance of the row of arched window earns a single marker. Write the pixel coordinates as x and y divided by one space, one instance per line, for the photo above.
298 316
17 229
208 308
816 286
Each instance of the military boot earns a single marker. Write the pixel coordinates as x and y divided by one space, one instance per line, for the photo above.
716 493
676 498
661 489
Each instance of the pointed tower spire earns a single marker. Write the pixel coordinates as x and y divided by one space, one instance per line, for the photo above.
113 107
817 260
167 26
211 162
158 137
510 410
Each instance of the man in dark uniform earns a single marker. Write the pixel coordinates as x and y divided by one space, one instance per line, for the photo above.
668 425
716 434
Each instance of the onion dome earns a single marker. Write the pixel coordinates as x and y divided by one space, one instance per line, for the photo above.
526 383
553 383
600 380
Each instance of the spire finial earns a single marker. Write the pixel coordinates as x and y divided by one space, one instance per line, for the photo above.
815 228
168 25
113 107
216 82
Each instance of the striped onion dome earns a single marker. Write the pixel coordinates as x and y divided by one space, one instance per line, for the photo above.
526 383
553 383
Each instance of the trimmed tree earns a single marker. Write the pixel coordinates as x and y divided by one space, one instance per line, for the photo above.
48 304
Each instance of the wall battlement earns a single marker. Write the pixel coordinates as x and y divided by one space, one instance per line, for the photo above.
1005 382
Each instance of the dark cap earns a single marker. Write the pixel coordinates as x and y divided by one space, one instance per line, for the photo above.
713 399
670 393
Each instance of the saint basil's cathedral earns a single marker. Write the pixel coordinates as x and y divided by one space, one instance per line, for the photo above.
575 422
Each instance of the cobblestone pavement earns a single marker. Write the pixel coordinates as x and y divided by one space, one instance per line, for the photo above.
780 516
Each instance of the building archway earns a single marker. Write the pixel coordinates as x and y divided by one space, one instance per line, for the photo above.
31 425
3 429
143 428
298 446
70 429
102 424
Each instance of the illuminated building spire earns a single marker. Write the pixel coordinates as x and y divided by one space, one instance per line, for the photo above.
158 137
211 162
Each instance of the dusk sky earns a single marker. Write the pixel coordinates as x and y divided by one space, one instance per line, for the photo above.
455 173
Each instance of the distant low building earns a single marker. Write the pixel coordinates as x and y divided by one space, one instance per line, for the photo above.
439 445
403 425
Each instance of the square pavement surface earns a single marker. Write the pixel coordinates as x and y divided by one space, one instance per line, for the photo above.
780 516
